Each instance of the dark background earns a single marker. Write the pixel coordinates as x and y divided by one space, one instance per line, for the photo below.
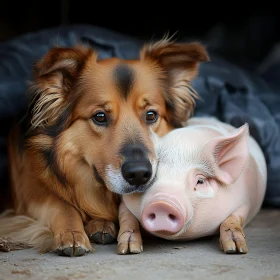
241 32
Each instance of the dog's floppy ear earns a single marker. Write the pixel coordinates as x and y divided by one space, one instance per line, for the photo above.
54 76
179 63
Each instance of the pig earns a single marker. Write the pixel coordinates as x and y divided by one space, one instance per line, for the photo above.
211 179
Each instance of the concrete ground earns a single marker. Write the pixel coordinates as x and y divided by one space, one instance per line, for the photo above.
201 259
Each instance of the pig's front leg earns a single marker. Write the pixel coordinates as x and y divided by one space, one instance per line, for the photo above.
129 237
232 238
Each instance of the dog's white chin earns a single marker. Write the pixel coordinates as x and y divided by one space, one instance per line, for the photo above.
117 184
114 180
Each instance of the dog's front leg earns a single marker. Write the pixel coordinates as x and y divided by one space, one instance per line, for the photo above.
129 237
67 226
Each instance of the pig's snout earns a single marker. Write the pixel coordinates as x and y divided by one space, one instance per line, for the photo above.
162 216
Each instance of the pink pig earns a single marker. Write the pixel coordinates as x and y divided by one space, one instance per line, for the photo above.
211 179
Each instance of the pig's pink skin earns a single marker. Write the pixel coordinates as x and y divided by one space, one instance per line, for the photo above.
202 208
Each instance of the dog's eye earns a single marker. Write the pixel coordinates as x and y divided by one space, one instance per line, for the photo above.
100 119
151 116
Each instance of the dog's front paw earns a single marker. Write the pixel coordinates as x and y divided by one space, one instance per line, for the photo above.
129 241
72 243
102 232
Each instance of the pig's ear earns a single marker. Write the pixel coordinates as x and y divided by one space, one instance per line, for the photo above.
178 64
230 154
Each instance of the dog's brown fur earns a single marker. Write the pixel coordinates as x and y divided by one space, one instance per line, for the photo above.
86 118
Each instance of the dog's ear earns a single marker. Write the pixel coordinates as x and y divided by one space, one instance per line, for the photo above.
54 77
179 63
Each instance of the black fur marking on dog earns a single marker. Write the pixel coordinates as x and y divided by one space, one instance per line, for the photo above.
170 105
48 156
97 176
124 77
51 161
59 126
176 122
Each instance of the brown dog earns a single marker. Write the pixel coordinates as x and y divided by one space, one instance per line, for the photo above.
86 140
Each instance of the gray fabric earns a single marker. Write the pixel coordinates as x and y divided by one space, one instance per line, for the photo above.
228 92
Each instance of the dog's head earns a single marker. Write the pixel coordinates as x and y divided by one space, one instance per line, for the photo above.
100 113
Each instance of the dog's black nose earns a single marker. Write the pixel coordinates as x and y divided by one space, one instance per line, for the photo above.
137 173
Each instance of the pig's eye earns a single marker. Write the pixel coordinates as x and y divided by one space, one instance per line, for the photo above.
200 181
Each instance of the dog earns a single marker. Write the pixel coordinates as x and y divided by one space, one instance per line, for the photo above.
85 140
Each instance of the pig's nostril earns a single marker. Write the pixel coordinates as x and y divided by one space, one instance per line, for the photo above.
172 217
152 217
